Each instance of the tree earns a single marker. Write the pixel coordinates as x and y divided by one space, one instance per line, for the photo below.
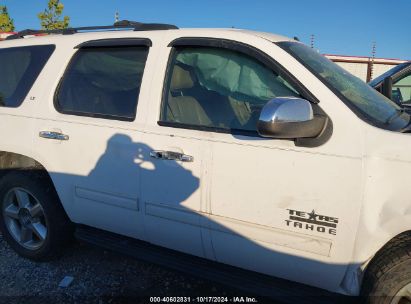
6 23
50 19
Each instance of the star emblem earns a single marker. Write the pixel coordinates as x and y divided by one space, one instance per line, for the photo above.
312 215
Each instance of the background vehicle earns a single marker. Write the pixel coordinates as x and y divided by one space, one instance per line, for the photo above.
396 84
243 148
4 35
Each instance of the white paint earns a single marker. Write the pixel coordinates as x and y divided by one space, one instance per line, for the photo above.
231 203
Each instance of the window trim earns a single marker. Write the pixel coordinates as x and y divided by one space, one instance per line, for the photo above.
180 125
235 46
115 42
97 115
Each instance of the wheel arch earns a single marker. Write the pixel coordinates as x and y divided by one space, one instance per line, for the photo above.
15 161
10 161
401 237
376 262
368 253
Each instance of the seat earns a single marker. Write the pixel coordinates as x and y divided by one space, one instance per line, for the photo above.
182 108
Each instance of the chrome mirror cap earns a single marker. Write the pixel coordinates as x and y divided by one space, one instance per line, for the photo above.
287 109
289 118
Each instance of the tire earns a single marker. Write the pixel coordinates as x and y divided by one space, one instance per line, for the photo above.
32 219
388 277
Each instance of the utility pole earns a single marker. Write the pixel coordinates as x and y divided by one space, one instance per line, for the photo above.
373 52
312 38
117 17
370 71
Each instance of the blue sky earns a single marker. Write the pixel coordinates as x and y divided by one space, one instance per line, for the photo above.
340 27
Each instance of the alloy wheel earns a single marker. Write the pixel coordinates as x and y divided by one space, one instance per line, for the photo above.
24 218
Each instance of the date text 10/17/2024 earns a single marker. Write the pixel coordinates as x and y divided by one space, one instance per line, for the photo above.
203 300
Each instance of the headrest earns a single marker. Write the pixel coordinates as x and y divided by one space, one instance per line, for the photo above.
181 79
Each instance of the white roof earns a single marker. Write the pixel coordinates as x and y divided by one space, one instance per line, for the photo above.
268 36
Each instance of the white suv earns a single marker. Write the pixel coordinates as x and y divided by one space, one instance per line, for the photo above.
245 148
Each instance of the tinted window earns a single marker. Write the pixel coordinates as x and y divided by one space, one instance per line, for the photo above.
20 68
103 82
219 88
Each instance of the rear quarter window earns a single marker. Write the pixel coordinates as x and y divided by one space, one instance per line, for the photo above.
20 67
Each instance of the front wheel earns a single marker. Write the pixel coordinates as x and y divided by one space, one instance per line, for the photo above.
388 277
32 219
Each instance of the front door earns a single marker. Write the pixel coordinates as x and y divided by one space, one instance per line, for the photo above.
269 205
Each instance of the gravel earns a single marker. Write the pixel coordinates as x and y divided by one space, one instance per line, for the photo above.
99 276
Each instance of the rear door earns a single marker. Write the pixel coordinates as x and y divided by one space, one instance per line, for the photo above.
91 134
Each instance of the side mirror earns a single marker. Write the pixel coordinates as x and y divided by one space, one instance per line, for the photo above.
289 118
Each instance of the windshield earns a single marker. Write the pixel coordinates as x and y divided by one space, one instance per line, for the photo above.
366 102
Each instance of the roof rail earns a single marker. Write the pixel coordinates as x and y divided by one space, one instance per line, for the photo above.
123 24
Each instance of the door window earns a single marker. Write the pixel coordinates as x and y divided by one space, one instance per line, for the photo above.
19 68
401 90
217 88
103 82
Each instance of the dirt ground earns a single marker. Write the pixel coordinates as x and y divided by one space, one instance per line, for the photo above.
99 277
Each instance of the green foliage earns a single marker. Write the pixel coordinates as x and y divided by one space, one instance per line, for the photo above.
50 19
6 23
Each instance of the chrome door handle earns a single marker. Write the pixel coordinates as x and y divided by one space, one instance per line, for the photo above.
53 135
170 155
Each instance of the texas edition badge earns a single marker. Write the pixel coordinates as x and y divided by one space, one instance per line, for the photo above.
312 221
